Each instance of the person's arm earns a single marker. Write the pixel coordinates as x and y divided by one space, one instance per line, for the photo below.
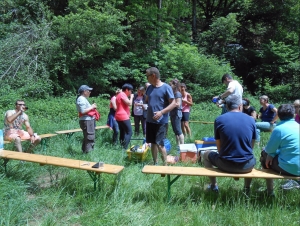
253 115
127 100
167 109
189 100
178 102
93 106
276 115
272 146
11 116
28 128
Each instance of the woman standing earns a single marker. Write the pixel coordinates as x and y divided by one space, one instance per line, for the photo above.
123 114
138 111
176 113
111 121
187 102
87 116
268 116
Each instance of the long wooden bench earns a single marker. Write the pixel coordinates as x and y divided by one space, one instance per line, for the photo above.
63 162
202 122
210 172
70 132
44 140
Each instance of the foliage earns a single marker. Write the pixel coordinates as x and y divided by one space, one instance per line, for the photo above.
201 74
89 38
222 32
25 49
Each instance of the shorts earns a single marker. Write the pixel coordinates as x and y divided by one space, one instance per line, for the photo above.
185 116
12 134
176 125
156 133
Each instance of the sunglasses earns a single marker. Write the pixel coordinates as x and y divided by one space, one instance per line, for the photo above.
21 104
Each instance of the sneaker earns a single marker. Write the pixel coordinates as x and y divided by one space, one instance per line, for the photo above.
214 188
290 184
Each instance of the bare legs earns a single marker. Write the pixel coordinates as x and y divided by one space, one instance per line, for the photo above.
154 150
186 128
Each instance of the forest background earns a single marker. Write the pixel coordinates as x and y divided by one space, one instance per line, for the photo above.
51 47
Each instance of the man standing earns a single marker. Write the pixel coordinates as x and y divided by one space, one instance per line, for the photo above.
235 137
160 99
14 119
233 87
87 113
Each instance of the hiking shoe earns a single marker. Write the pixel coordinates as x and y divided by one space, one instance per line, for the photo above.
290 184
212 188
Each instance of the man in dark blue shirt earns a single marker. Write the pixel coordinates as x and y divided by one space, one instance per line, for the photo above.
235 136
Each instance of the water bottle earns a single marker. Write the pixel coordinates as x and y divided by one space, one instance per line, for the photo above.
1 139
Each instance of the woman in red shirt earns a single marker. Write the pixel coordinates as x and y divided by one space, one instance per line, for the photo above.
123 114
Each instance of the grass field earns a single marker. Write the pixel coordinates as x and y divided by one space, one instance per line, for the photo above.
35 195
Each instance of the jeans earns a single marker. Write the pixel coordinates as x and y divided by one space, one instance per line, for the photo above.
263 126
125 132
137 120
115 131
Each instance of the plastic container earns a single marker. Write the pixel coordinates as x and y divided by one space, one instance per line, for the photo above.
1 140
204 144
140 154
168 146
188 153
215 100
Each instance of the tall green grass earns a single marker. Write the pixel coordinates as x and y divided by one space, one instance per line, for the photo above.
34 195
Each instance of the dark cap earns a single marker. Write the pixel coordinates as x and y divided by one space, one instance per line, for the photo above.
127 86
245 103
84 88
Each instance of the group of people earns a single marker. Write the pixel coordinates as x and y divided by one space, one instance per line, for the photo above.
152 104
236 131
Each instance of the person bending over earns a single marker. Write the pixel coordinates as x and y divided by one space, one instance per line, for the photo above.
235 138
13 122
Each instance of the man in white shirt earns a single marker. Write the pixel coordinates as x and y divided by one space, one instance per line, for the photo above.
233 87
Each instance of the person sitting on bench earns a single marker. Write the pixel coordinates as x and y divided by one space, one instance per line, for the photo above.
14 119
235 136
282 152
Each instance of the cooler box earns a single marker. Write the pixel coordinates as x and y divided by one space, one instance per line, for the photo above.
188 153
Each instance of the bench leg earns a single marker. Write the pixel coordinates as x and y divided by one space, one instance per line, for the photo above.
44 144
96 179
170 182
5 161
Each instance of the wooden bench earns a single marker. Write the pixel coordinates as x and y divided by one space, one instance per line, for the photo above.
70 132
202 122
44 140
62 162
210 172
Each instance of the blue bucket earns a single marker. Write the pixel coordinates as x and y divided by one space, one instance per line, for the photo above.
167 144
